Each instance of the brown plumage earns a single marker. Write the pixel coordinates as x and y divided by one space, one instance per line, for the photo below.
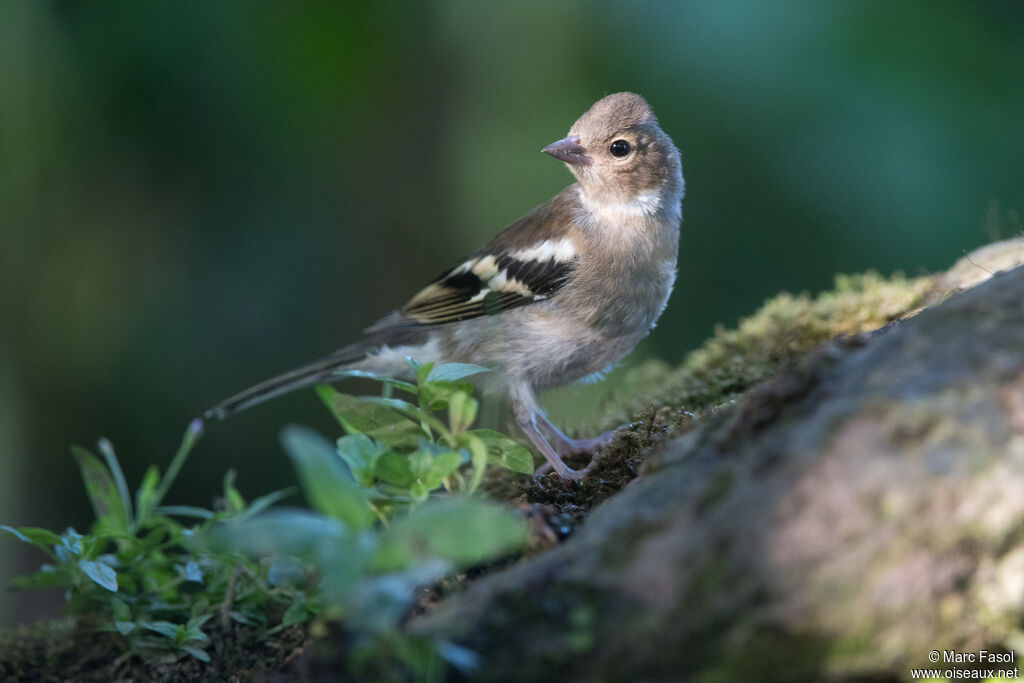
562 293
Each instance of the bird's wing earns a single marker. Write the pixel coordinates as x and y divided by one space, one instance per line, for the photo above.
526 263
490 283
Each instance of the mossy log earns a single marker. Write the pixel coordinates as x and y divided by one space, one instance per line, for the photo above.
835 508
838 522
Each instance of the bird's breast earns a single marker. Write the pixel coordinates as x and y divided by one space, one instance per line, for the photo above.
630 302
623 281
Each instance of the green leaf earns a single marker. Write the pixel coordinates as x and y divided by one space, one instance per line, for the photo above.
248 620
450 372
196 652
106 501
164 628
360 453
124 627
193 628
373 419
295 614
120 609
462 410
327 483
429 467
184 511
107 449
477 456
263 502
40 538
398 384
298 533
436 395
284 571
383 601
394 469
419 490
420 462
274 533
517 459
188 442
100 573
464 532
145 497
422 370
504 451
234 499
47 577
71 542
444 464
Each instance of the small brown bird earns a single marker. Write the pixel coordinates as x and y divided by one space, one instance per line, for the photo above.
560 295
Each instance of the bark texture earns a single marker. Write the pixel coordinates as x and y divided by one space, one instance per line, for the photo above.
836 523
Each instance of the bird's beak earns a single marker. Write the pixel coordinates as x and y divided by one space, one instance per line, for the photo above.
569 150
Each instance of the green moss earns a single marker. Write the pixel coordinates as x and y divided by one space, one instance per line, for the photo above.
583 622
655 398
43 646
784 328
72 650
767 654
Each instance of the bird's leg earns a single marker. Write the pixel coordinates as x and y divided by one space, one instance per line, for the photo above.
527 420
549 453
565 445
568 446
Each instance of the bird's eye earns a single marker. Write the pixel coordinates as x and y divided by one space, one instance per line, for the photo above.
620 148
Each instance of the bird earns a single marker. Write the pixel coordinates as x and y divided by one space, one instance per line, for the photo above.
560 295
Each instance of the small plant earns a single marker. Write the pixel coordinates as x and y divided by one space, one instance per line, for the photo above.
401 451
133 572
392 510
368 569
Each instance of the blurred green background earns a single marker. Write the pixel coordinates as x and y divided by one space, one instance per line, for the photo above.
196 195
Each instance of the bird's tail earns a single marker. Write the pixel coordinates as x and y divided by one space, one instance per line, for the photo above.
318 371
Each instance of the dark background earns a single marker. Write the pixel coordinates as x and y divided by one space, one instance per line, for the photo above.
196 195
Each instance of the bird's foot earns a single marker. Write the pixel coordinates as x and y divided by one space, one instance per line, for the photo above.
567 472
565 446
554 444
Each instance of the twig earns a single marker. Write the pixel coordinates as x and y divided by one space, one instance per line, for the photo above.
229 599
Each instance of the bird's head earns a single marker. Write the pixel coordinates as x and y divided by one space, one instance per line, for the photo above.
620 155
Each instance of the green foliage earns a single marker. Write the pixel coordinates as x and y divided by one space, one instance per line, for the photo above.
136 571
400 451
391 510
782 330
